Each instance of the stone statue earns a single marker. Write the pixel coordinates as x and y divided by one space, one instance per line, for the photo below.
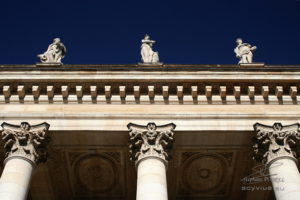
55 52
148 55
244 51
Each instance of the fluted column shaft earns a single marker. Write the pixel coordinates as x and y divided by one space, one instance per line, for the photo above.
25 147
274 146
150 148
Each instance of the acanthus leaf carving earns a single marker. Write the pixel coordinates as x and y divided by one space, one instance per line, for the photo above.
26 141
273 142
151 140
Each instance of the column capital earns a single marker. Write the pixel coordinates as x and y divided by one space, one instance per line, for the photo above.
150 141
25 141
275 142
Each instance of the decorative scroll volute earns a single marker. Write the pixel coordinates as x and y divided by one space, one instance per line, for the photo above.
26 141
151 140
275 142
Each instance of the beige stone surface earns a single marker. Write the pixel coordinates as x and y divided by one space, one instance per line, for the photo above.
116 117
88 110
15 179
149 76
151 180
285 179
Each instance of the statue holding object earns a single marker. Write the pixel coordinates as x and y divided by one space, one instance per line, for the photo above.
148 55
55 52
244 51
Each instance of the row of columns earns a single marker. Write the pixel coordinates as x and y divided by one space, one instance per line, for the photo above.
150 147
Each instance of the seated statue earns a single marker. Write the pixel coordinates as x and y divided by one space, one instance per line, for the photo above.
55 52
244 51
148 55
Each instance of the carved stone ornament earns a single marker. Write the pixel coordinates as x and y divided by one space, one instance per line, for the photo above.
55 52
150 141
25 141
147 53
276 142
244 51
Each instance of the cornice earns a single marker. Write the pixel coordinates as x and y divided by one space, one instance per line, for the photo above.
160 86
137 67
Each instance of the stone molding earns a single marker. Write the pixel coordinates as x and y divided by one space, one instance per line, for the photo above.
275 142
150 141
125 84
25 141
149 93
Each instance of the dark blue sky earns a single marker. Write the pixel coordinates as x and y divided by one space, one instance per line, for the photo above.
186 31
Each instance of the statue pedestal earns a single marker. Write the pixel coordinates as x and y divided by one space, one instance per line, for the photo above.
251 65
151 64
48 64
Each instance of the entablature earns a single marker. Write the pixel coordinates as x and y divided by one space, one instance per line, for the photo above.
133 84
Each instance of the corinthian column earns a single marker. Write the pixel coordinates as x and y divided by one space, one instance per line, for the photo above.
150 148
275 146
25 147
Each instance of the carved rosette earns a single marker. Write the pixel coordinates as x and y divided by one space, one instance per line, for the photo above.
26 141
151 141
276 142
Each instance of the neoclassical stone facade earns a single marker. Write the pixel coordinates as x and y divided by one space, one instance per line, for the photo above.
124 132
